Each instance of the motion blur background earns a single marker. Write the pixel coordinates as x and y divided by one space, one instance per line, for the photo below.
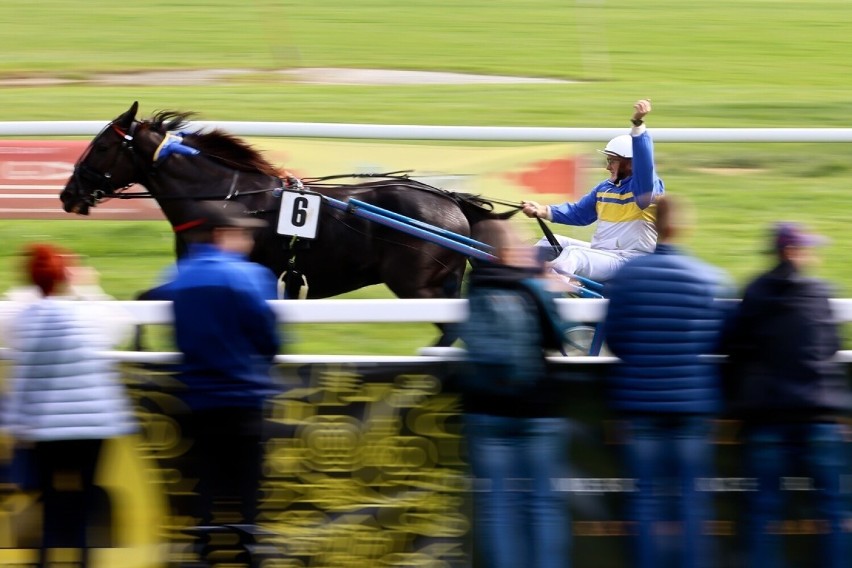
573 63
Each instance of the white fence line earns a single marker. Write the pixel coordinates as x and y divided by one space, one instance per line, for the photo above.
370 311
424 132
376 311
395 310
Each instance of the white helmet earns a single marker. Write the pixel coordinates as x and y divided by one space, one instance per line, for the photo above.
621 146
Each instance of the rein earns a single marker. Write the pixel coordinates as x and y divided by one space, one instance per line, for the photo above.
401 177
399 174
148 195
548 234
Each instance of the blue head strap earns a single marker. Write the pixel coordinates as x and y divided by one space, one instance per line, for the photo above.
173 144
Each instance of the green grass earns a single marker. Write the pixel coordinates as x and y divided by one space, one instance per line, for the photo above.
726 63
749 63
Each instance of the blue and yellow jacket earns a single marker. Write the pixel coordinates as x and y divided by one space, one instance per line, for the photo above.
625 212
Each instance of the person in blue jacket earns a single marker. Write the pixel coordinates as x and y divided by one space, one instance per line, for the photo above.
664 316
228 335
622 205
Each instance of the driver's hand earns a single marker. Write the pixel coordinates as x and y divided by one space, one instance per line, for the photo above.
534 209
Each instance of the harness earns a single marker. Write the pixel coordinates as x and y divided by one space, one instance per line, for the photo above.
292 283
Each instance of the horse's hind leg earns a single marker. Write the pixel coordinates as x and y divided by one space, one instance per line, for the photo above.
449 331
449 334
420 283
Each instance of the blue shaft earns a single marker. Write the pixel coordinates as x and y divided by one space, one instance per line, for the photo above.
417 223
588 288
422 233
590 284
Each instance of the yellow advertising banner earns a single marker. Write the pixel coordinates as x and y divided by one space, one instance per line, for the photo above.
543 172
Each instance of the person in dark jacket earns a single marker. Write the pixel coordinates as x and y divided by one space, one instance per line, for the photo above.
791 395
663 317
228 336
516 433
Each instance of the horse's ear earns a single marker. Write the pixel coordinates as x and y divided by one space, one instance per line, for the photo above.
129 116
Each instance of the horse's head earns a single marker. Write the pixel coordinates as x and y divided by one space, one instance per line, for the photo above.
130 151
107 166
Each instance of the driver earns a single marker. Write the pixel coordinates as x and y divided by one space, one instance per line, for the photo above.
623 206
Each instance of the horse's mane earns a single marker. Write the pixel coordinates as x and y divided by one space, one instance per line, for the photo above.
215 144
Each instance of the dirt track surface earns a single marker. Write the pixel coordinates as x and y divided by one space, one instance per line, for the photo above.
33 173
45 204
312 75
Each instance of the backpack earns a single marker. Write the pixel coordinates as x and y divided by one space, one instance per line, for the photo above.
503 338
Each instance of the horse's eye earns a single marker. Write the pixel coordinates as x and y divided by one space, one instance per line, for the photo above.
100 147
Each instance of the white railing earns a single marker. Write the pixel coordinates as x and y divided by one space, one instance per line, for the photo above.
343 311
423 132
392 310
378 311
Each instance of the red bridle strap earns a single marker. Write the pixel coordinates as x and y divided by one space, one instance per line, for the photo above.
189 225
122 133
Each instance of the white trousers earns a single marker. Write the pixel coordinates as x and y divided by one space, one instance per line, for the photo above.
578 257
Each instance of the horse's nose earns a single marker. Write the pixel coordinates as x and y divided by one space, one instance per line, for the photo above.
71 202
66 198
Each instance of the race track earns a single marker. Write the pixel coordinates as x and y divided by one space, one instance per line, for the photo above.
33 173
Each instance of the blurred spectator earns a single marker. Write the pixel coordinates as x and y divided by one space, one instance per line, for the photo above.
83 284
792 398
64 398
514 425
622 205
663 316
228 335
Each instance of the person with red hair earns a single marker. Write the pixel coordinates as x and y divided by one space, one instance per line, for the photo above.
64 396
50 270
47 268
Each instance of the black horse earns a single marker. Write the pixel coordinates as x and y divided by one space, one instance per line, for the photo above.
348 252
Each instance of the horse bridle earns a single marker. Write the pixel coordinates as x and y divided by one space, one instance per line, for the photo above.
104 187
102 181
